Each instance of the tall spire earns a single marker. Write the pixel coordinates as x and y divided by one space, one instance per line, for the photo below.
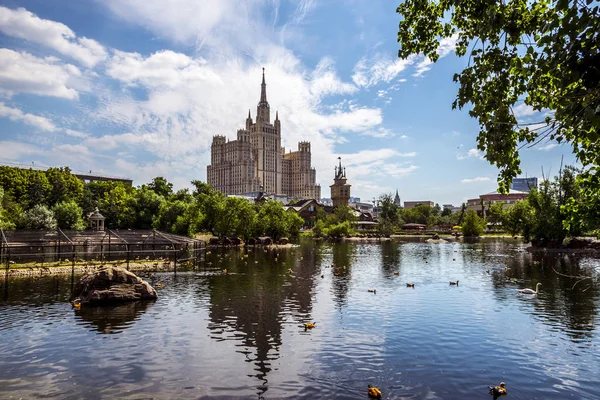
249 114
263 89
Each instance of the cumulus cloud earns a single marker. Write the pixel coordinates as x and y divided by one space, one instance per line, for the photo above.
23 24
472 153
14 114
547 147
478 179
24 73
11 150
380 68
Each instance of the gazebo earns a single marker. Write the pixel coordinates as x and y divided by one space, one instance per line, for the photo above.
96 220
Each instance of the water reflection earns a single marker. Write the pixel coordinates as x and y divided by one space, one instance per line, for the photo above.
113 319
260 291
409 342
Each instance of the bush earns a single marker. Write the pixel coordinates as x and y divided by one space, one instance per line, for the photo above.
473 225
68 215
39 217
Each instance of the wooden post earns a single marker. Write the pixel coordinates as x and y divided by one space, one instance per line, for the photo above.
174 261
128 256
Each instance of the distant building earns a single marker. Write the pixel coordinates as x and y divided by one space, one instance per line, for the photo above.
482 204
257 162
411 204
453 209
340 190
354 199
397 199
363 207
524 184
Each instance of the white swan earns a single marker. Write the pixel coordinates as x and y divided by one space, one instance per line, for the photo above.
531 291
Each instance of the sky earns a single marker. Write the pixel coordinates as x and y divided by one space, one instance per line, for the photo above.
138 88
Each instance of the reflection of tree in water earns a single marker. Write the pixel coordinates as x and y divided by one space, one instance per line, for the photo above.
37 290
254 298
113 319
559 302
390 257
342 257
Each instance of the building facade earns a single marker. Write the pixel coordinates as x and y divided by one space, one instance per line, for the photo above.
524 184
340 190
411 204
482 204
256 161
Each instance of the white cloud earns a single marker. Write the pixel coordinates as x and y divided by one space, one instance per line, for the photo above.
24 73
14 114
523 110
55 35
10 150
76 134
325 81
381 68
547 147
478 179
403 137
380 132
472 153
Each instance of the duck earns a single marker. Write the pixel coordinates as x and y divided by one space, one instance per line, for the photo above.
372 291
290 271
225 271
397 273
531 291
159 285
309 325
374 392
454 283
498 391
412 285
77 305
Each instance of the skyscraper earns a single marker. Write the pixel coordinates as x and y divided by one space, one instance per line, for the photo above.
257 162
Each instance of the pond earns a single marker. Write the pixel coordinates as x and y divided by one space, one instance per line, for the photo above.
241 334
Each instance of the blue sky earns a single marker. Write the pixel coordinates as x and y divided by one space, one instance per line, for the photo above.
137 88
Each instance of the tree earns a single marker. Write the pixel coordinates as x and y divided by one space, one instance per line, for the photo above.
144 204
68 215
39 217
473 225
161 186
543 54
518 219
65 186
495 214
5 222
388 215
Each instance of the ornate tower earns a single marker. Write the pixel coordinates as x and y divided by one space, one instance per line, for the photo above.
340 190
263 111
397 199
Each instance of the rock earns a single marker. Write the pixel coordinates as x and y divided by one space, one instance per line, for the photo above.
109 285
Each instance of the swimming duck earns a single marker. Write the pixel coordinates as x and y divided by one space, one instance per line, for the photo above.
372 291
498 391
309 325
454 283
412 285
374 392
77 305
397 273
159 285
225 271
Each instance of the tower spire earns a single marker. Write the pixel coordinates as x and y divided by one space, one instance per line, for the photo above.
263 89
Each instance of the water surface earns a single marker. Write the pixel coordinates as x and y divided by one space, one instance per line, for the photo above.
241 334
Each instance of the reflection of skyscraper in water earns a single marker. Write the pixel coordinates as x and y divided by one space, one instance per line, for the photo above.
250 306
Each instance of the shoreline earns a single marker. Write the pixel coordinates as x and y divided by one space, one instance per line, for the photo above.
29 272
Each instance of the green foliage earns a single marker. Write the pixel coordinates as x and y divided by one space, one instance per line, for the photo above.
238 218
65 186
274 221
389 216
39 217
543 54
142 207
5 222
68 215
518 219
495 213
161 187
472 226
339 230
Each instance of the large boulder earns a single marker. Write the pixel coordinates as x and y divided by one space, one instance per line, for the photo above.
109 285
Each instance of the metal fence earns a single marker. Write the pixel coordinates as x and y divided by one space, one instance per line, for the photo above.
26 248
